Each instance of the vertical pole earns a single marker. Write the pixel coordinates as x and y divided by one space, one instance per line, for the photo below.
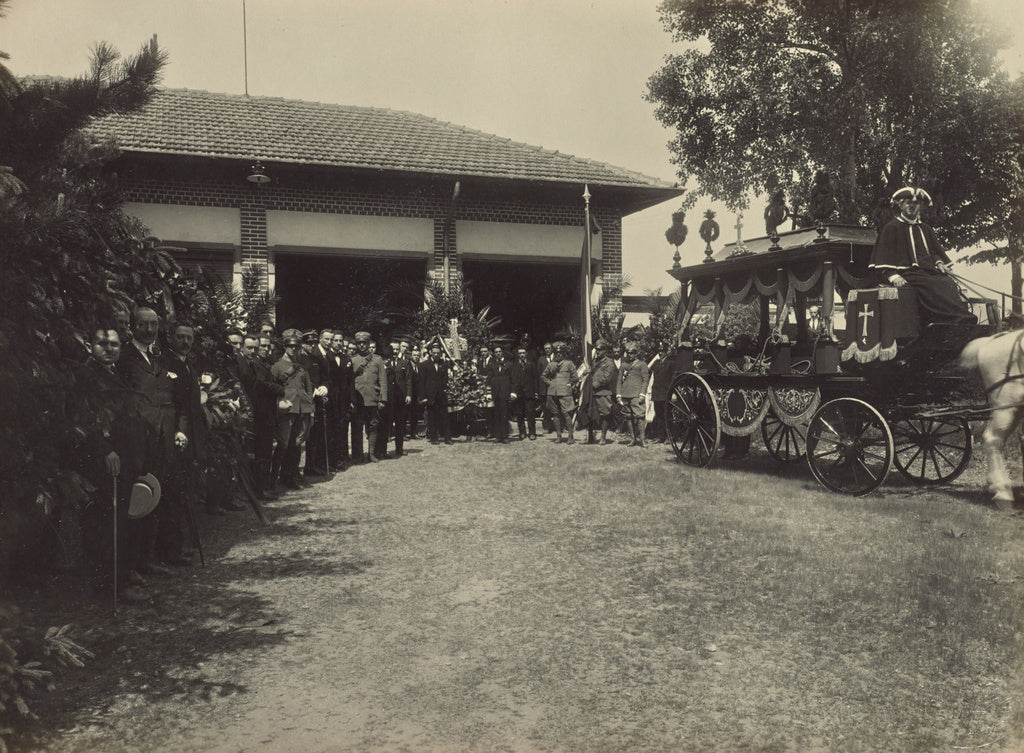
585 293
245 51
828 294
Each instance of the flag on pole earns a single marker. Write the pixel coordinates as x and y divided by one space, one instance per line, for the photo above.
586 280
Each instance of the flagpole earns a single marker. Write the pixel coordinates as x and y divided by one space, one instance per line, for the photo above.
587 335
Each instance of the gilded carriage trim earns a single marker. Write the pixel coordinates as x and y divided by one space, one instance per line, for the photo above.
741 409
794 405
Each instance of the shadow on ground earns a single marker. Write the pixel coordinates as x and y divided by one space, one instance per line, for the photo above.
155 651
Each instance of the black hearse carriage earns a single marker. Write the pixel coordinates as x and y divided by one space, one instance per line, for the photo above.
852 400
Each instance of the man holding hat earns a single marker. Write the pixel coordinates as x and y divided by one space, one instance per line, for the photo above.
908 253
631 392
322 368
110 456
369 397
558 378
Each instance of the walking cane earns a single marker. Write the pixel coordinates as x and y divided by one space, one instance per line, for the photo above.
115 543
194 525
327 452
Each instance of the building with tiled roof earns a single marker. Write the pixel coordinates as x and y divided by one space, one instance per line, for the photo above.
325 194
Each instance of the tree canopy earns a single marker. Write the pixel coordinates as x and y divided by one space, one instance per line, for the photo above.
878 94
69 256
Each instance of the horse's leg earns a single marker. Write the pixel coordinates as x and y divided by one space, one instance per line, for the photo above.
996 432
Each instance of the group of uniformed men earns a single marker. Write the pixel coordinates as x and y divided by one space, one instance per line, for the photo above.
141 411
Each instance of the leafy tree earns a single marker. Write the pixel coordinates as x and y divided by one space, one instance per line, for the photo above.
70 257
879 94
439 307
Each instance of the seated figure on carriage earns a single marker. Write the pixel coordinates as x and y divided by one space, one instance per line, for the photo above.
907 253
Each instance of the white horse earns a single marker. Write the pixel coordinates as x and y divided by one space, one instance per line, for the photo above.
1000 361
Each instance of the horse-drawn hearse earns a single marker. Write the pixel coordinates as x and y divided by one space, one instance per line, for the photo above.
851 401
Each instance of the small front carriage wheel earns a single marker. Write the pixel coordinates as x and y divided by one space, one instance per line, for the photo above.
784 442
849 446
931 450
694 426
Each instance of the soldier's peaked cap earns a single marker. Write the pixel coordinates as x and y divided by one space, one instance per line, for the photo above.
362 337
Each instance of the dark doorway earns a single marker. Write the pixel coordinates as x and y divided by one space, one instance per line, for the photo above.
539 299
347 292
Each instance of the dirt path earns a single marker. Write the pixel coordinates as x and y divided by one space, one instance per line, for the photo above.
461 598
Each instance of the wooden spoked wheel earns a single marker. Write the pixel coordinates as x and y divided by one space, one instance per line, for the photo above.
787 443
931 450
849 446
694 426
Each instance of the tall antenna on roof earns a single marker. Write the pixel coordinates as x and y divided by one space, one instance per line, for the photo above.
245 51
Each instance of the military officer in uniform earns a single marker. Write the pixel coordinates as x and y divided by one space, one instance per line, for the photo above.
558 377
369 397
631 392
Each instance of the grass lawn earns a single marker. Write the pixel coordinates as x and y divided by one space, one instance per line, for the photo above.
543 597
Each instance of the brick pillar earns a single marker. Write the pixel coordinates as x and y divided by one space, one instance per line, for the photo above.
611 262
254 238
454 267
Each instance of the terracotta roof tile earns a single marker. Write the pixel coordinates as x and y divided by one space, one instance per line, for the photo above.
272 129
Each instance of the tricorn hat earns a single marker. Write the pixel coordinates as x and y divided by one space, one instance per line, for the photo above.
911 192
145 496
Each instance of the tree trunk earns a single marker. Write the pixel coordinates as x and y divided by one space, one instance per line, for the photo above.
1015 285
848 212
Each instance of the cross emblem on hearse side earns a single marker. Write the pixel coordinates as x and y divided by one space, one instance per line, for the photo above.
864 315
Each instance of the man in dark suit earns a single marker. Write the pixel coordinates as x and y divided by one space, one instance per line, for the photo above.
188 478
144 371
499 377
400 379
542 392
110 456
433 383
415 409
339 404
319 363
265 392
525 384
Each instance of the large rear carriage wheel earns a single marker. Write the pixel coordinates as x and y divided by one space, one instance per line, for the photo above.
931 450
849 446
694 426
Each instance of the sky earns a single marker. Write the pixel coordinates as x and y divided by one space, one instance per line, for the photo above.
562 74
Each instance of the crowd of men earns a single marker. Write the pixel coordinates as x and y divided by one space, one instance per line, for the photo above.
320 402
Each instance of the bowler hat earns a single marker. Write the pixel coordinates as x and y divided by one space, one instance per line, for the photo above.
145 496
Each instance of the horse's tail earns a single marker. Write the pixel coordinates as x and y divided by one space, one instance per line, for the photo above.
969 355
